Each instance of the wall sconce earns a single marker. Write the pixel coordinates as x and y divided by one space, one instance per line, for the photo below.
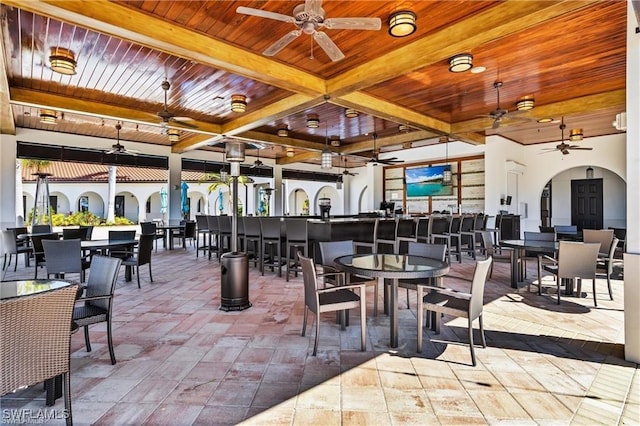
326 159
351 113
290 152
313 121
174 135
576 135
238 103
460 63
589 172
63 61
48 116
402 23
339 182
525 104
283 130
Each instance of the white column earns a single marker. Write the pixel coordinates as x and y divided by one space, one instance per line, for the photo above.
8 150
632 257
175 179
374 184
278 195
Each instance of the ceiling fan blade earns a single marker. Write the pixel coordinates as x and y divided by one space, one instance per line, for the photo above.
313 7
584 148
184 123
265 14
280 44
496 123
329 47
353 23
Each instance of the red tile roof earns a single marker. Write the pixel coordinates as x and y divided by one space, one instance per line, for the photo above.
84 172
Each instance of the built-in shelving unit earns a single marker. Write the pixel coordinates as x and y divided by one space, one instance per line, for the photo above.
467 184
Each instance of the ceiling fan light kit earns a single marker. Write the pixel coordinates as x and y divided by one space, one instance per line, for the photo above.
313 121
525 104
63 61
48 116
461 62
283 130
402 23
351 113
238 103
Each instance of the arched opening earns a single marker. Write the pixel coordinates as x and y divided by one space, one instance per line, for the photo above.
299 202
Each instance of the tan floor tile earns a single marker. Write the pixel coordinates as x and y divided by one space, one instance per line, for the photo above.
453 403
125 413
272 416
150 390
407 400
365 418
360 376
363 398
234 393
498 405
322 397
271 395
170 414
313 417
532 401
192 392
412 418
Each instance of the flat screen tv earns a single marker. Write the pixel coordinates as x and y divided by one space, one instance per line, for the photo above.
427 182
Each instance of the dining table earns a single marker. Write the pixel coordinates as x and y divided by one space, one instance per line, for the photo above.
105 246
22 288
519 248
168 232
392 267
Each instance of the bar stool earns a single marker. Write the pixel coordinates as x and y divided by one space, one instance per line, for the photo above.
252 238
385 236
271 253
406 232
369 238
213 227
468 235
224 234
203 230
296 241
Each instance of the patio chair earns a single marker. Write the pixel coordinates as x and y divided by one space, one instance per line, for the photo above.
151 228
35 335
432 251
329 251
602 236
10 247
505 254
41 229
98 298
202 230
606 264
575 261
38 250
121 235
330 299
65 257
140 256
187 232
74 233
252 238
459 304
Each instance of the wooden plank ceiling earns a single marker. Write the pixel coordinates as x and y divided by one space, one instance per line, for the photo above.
567 55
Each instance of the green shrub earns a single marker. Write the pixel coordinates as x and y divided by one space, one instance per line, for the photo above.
85 219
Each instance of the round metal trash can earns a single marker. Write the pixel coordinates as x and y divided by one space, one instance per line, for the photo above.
234 291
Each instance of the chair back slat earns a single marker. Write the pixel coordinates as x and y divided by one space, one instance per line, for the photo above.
102 280
310 283
432 251
63 256
577 260
330 250
477 287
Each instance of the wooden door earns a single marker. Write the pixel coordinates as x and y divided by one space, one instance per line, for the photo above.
586 204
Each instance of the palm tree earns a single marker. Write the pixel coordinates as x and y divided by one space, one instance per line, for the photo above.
217 180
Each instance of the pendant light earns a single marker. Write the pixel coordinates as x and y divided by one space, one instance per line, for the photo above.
446 174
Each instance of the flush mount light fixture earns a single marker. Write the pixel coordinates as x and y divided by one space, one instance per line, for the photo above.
403 128
48 116
525 104
290 152
545 120
283 130
460 63
402 23
576 135
334 140
351 113
313 121
238 103
63 61
174 135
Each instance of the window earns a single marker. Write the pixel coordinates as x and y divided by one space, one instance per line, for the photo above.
83 204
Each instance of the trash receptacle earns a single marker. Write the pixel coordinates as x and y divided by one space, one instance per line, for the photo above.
234 292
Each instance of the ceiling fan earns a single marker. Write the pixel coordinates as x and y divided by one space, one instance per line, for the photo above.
309 18
167 117
257 163
377 160
499 113
563 147
118 148
346 172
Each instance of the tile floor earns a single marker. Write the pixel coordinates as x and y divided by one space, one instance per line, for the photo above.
182 361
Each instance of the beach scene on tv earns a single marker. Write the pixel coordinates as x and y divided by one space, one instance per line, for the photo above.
426 181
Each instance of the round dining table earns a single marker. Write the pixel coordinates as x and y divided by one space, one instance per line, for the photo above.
393 267
519 248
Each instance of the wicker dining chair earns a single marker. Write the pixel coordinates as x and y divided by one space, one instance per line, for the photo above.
35 336
98 298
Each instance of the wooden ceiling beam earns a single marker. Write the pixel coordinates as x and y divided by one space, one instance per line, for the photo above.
298 158
494 23
129 24
398 139
270 113
277 140
193 141
79 106
383 109
584 104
